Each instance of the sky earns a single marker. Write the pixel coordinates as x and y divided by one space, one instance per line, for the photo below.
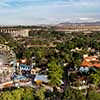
33 12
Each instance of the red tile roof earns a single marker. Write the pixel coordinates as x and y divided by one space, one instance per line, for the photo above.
91 61
97 65
86 64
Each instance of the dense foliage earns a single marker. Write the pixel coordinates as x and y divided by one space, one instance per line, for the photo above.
57 52
18 94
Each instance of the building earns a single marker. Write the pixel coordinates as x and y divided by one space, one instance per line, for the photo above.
91 61
39 79
24 69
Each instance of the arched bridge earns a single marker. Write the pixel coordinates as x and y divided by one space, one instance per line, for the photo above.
15 32
18 31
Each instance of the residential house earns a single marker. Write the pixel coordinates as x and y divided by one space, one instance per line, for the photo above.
91 61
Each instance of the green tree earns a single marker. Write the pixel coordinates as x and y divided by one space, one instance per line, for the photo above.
2 40
40 94
55 73
18 94
71 94
95 78
93 95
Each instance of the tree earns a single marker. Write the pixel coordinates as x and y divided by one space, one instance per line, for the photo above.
18 94
2 39
40 94
40 53
71 94
95 78
55 73
93 95
20 51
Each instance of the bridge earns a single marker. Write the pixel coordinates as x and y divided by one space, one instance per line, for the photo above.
15 32
22 31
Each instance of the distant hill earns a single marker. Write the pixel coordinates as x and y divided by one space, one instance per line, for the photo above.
83 23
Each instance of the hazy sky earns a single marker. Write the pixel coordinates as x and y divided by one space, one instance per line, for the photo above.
48 11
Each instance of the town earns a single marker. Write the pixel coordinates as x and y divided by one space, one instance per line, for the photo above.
60 62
